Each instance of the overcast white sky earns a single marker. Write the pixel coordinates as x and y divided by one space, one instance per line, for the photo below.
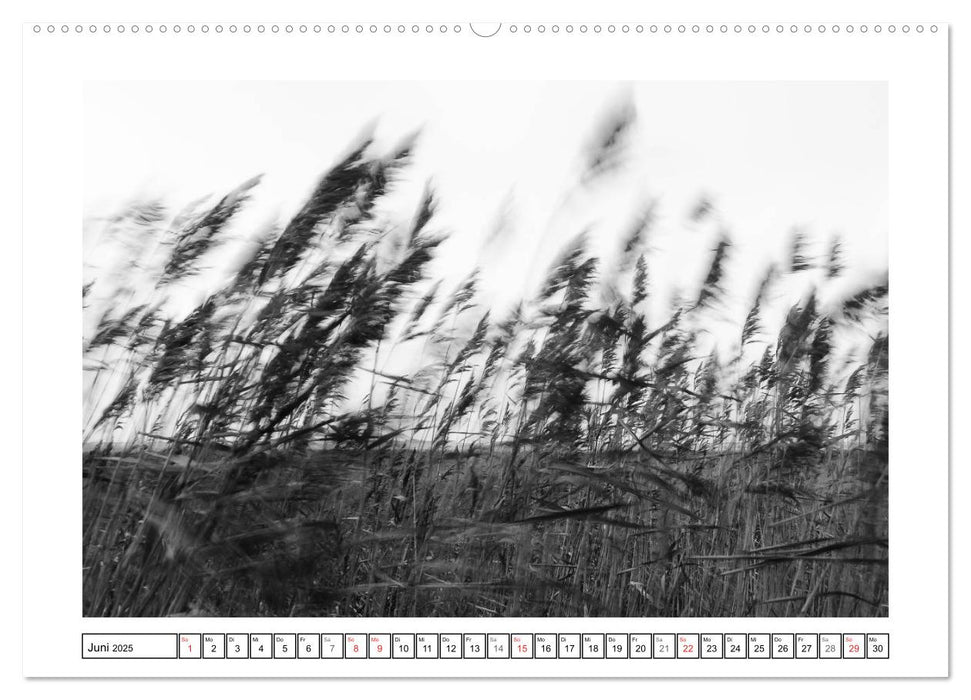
771 155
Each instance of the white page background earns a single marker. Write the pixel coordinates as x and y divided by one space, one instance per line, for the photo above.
51 546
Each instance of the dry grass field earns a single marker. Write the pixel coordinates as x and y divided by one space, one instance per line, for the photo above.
576 455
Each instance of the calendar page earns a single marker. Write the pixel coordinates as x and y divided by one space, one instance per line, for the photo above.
437 347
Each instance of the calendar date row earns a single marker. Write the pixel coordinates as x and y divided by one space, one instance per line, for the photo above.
447 645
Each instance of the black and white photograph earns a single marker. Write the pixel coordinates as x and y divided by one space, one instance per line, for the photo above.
485 349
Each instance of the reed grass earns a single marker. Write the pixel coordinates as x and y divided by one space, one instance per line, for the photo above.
573 457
